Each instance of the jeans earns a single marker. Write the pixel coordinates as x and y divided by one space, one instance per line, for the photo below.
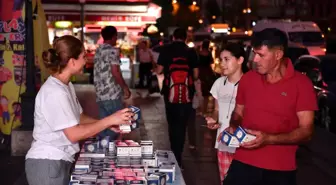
107 108
177 116
244 174
47 172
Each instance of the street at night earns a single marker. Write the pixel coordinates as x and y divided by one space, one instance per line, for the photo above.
167 92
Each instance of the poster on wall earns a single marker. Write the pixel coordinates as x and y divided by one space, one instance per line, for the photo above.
12 60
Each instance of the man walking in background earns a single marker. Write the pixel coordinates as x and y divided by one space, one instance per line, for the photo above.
179 63
108 81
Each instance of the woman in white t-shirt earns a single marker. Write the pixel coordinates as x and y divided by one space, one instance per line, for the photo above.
59 122
224 91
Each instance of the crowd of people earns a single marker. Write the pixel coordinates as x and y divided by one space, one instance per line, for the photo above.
273 102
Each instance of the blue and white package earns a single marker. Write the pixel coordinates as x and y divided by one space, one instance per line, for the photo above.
104 142
92 147
230 140
243 136
137 113
135 123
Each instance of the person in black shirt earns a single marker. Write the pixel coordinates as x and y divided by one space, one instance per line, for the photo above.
175 58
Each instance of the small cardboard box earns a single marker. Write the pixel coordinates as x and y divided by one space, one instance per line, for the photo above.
125 128
93 155
243 136
105 179
122 150
91 147
151 169
153 180
120 182
169 170
83 165
146 148
137 113
104 142
134 150
230 140
137 182
112 147
149 161
161 178
134 124
86 183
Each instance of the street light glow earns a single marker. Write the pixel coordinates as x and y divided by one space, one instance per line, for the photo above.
249 10
200 21
174 1
194 3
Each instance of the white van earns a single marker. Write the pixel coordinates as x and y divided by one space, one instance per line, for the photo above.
306 34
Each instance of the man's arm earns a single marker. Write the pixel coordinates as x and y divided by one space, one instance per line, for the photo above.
118 77
299 135
161 62
237 116
85 119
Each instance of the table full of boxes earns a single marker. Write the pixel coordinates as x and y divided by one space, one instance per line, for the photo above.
105 162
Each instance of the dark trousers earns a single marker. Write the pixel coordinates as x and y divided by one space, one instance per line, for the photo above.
192 128
243 174
145 73
177 117
90 71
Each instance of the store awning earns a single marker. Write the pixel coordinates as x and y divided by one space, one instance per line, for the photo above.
119 14
95 1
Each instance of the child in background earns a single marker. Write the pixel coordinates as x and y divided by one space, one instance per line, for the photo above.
224 91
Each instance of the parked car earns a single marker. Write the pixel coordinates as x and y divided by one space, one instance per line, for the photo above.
321 70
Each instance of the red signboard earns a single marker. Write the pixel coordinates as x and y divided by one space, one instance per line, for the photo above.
95 18
95 1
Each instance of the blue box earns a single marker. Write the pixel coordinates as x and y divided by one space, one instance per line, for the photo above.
104 142
92 147
137 113
134 124
243 136
230 140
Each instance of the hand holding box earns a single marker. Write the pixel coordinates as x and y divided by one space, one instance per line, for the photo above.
243 136
135 123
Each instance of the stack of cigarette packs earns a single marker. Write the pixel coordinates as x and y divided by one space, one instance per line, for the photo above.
105 162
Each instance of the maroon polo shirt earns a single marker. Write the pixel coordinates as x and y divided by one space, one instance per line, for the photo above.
272 108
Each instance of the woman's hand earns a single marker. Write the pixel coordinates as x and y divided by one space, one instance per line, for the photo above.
124 116
212 123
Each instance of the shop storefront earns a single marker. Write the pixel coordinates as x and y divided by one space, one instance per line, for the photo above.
130 17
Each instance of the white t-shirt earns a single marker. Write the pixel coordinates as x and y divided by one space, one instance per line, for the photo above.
56 108
145 56
226 97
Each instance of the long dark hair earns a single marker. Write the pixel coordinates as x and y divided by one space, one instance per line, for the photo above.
237 50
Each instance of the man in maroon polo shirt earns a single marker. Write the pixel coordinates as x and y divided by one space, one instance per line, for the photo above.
276 104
